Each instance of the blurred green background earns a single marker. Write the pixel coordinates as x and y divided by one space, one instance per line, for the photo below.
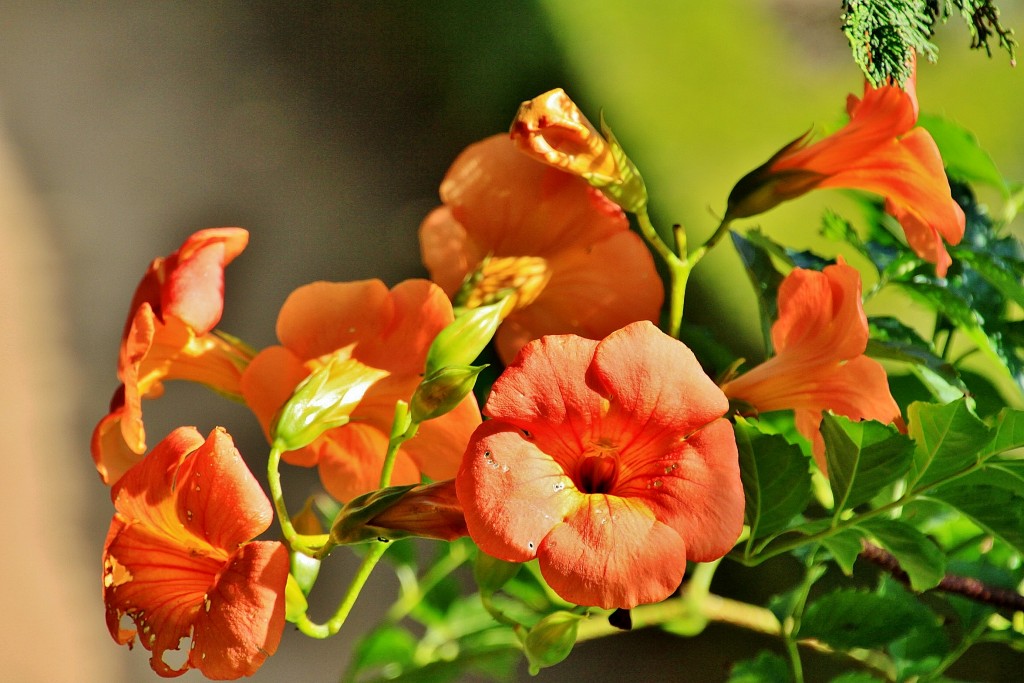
325 129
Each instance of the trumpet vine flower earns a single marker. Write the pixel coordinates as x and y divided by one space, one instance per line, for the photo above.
880 150
609 461
819 362
170 335
180 563
511 225
388 334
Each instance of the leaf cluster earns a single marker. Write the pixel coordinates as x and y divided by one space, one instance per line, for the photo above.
885 34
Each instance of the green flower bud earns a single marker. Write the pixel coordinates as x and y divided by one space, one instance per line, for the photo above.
465 337
303 571
295 602
322 401
551 640
491 573
441 391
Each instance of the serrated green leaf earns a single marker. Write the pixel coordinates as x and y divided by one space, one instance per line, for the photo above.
766 279
863 457
962 155
997 510
892 340
922 649
850 618
792 257
845 546
996 272
766 667
1008 433
776 479
948 438
919 557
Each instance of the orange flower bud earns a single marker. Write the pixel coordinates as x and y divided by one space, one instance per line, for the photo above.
552 129
395 512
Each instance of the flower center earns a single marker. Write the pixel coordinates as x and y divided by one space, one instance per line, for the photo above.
599 469
522 278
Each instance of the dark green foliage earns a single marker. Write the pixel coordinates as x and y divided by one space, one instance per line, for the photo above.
884 34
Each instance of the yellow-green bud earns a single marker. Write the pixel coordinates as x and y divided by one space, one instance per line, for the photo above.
491 573
295 602
304 570
551 640
441 391
322 401
465 337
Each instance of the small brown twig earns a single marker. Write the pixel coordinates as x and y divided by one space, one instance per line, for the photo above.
972 589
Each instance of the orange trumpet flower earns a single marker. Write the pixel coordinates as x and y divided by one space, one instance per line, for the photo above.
169 335
513 225
609 462
819 361
880 151
362 324
180 562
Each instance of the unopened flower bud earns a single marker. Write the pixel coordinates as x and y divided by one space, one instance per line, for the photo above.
462 340
551 640
552 129
323 400
491 574
764 188
395 512
442 391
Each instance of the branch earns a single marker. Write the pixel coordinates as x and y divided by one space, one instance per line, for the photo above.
965 586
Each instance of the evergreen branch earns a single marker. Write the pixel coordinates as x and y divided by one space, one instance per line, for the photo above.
884 34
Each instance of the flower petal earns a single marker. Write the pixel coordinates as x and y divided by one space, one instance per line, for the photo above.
242 618
611 552
351 458
512 492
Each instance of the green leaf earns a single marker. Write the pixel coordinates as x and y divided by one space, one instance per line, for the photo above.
962 155
923 647
850 618
382 653
766 279
776 479
892 340
1008 432
845 547
863 457
997 272
996 509
766 667
948 439
917 554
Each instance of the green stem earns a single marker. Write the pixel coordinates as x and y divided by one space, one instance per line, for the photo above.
762 554
334 624
402 429
678 269
277 495
721 231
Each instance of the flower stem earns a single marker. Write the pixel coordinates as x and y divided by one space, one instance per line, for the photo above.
334 624
402 429
678 269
